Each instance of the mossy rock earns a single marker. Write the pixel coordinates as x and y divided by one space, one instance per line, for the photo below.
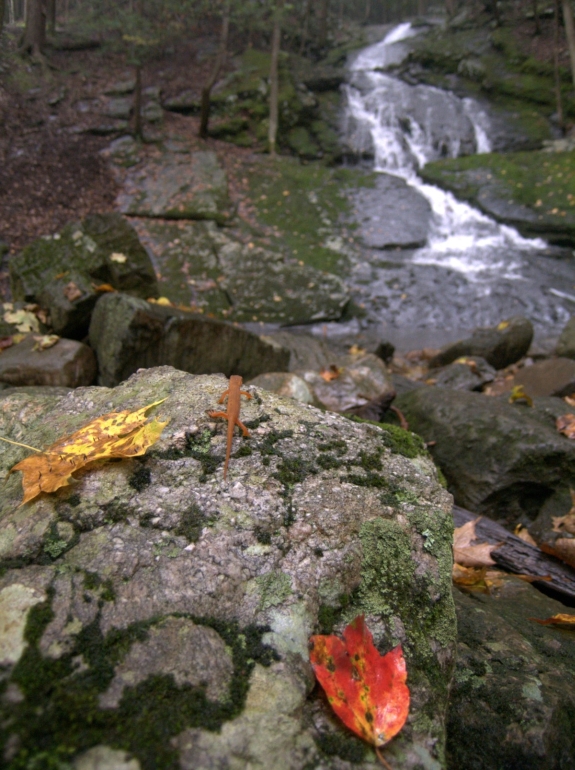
170 626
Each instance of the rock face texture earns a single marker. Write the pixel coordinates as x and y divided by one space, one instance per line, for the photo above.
500 459
159 616
67 364
513 697
128 333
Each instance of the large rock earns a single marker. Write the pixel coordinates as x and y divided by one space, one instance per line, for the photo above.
158 616
500 459
554 377
103 248
68 364
128 334
392 214
512 702
500 345
238 276
566 342
178 186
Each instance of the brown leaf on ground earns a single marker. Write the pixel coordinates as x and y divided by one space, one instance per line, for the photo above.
566 425
6 342
468 555
523 533
563 548
117 434
566 621
45 341
103 287
331 374
566 523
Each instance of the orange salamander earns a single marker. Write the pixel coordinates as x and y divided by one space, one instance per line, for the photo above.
233 394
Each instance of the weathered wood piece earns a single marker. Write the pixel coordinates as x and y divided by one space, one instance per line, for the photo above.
518 556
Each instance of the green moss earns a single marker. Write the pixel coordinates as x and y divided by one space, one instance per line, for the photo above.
192 521
343 745
400 441
60 717
274 587
336 445
141 478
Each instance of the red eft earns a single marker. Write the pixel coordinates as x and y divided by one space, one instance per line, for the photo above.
233 394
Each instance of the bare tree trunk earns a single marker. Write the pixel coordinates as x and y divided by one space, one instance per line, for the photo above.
274 80
11 14
66 11
570 34
367 12
421 7
218 64
51 15
138 103
536 17
34 36
2 7
558 96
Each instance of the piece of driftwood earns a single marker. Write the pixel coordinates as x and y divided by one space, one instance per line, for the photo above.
518 556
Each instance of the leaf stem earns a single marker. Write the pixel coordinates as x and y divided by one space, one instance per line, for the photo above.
382 759
17 443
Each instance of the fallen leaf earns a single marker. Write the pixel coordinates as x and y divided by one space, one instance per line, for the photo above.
61 275
160 301
566 523
72 292
355 350
523 533
103 287
365 689
566 425
518 394
45 341
118 257
569 400
117 434
330 374
502 326
24 320
468 362
6 342
471 555
563 548
557 620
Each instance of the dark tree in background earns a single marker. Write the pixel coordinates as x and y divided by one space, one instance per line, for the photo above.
34 37
217 68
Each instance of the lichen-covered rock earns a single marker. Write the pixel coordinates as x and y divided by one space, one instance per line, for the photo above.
103 247
178 186
501 459
128 334
68 364
500 345
471 373
512 702
162 614
566 342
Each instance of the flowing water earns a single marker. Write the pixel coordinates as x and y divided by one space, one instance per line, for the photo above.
469 270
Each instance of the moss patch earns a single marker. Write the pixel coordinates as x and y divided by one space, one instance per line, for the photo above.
60 716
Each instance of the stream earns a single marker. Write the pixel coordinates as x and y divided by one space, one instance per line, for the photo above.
433 268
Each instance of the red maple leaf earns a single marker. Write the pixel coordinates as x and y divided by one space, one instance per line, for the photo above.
365 689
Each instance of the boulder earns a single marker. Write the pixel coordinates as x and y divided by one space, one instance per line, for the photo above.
178 186
69 299
128 334
119 107
306 352
103 247
155 615
469 373
500 345
566 342
500 459
285 384
68 364
392 214
512 702
554 377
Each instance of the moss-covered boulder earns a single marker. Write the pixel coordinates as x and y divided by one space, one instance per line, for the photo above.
501 459
177 185
512 701
566 341
103 248
155 615
128 333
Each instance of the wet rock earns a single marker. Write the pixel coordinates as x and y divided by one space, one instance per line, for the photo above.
103 248
471 373
128 334
69 300
500 459
555 377
285 384
553 528
178 186
306 352
392 214
123 151
321 520
512 702
566 342
68 363
358 380
500 346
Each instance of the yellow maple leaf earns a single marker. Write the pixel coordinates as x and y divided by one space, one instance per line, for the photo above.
117 434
